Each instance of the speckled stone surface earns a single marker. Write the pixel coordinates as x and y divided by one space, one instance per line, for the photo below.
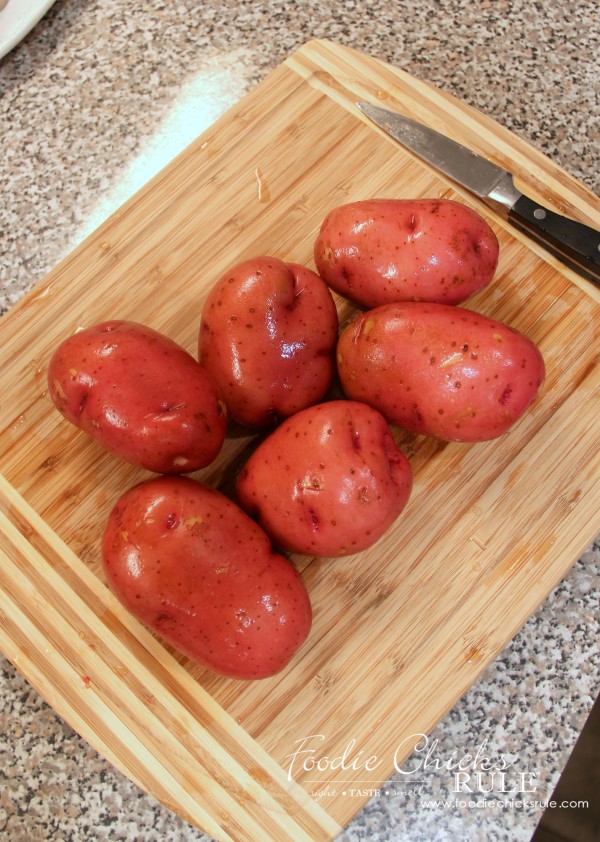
99 96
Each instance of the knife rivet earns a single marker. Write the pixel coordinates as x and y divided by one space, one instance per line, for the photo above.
539 213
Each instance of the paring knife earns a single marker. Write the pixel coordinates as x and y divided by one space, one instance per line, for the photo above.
575 244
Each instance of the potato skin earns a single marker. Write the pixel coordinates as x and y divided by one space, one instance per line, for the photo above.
380 251
140 395
439 370
268 334
189 563
327 482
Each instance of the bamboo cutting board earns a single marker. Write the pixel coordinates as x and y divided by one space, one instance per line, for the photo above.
400 631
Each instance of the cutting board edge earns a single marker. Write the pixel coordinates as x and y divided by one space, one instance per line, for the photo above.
270 787
524 149
403 79
585 206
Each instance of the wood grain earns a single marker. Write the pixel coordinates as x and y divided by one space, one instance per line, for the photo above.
401 630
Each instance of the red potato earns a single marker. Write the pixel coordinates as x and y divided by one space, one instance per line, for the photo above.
327 482
140 395
381 251
268 334
188 563
439 370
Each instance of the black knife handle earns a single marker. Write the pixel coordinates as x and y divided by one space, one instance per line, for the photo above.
575 244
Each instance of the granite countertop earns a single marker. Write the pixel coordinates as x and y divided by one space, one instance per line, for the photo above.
99 96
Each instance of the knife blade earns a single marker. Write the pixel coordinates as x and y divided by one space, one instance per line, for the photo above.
574 243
